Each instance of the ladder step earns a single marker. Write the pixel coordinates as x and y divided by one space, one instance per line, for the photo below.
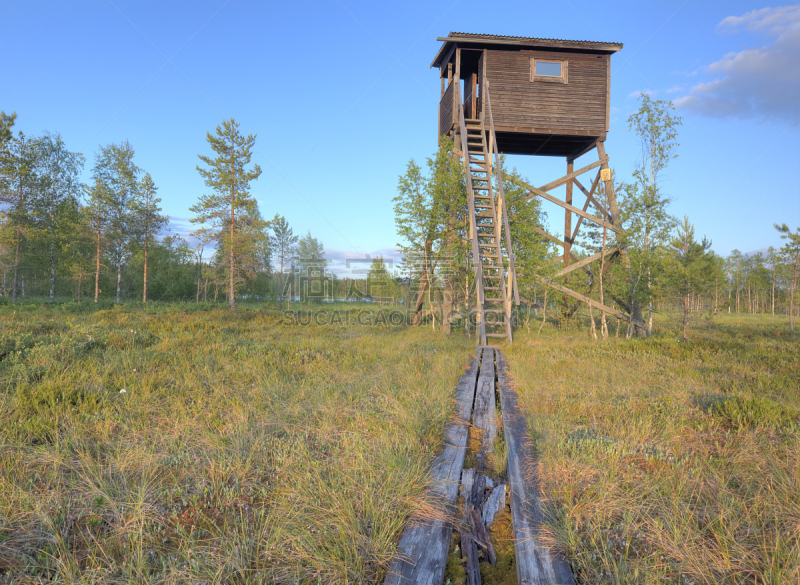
497 335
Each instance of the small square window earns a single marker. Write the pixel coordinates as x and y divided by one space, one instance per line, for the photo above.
549 70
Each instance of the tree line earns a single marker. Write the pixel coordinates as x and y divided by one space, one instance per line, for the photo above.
109 239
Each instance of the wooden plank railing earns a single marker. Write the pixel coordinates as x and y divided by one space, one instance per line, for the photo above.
447 109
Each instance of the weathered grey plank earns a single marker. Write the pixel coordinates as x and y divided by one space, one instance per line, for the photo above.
536 563
483 416
495 503
422 551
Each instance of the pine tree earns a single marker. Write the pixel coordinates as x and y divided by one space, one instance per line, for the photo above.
220 214
284 243
689 269
792 253
311 259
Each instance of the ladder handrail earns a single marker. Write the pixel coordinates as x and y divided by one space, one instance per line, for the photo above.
502 198
476 258
497 235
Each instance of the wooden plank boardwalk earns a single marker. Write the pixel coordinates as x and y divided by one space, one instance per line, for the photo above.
423 547
536 563
422 552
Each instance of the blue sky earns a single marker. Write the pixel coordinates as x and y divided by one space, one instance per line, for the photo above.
341 96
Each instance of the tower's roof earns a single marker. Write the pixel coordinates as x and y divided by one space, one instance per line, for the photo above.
471 40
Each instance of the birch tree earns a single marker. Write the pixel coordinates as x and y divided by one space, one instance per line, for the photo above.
644 205
146 220
58 195
20 184
114 167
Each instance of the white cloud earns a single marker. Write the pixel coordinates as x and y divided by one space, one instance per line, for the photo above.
761 82
637 93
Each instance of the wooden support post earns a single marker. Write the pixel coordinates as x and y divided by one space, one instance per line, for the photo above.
568 228
568 217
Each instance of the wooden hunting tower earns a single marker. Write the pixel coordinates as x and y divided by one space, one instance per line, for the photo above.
529 96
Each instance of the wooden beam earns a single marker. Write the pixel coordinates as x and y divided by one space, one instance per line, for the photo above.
446 60
536 562
543 233
569 176
590 196
534 192
584 262
583 298
578 223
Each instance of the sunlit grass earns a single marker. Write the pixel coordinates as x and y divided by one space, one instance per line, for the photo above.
669 462
242 450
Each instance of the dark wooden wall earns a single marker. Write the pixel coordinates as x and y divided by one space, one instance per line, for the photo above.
578 107
446 110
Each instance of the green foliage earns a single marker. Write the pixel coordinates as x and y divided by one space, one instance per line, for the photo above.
746 413
689 268
531 250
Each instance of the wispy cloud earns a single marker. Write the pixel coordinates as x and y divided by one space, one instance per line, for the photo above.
638 92
761 82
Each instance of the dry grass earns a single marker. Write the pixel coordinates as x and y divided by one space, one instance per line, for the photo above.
242 450
667 462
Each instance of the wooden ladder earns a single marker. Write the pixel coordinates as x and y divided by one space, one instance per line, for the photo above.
494 274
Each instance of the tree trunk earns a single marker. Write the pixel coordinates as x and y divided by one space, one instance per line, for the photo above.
144 291
423 284
97 270
773 289
52 269
791 300
119 282
603 322
16 268
231 299
685 316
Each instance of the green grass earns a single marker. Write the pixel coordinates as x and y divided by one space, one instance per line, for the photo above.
242 450
668 462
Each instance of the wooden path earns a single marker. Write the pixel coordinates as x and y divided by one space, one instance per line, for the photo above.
423 548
